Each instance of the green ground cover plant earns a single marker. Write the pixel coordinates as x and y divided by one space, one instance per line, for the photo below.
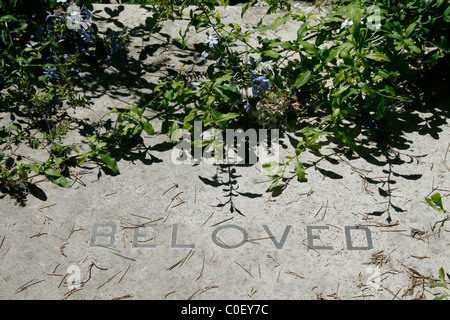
343 74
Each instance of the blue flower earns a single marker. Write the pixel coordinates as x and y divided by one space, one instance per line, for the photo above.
260 84
51 73
204 55
212 40
88 14
85 36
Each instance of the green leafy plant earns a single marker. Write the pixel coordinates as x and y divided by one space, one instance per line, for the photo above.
435 201
442 284
343 73
42 51
356 71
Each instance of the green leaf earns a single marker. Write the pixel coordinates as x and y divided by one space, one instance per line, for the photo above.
23 174
83 158
174 132
437 284
61 181
437 200
12 174
274 184
302 79
135 109
442 297
271 53
92 140
301 31
410 29
165 127
7 18
377 56
353 12
229 92
283 44
367 89
309 48
109 162
300 171
442 274
147 126
416 49
101 145
340 91
381 109
227 116
432 58
52 173
345 136
32 166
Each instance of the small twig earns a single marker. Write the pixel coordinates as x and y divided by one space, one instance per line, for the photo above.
127 296
222 221
174 186
54 270
190 298
176 196
274 260
203 267
167 294
253 240
325 212
61 249
109 280
182 261
90 268
208 288
124 273
38 234
27 285
124 257
311 248
207 219
244 269
294 274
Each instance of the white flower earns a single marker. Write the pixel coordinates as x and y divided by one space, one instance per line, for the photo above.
212 40
346 23
265 67
74 20
63 1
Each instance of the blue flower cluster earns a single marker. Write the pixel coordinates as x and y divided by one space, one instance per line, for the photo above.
75 19
258 83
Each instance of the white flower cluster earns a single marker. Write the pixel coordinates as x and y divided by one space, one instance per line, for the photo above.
349 23
75 18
